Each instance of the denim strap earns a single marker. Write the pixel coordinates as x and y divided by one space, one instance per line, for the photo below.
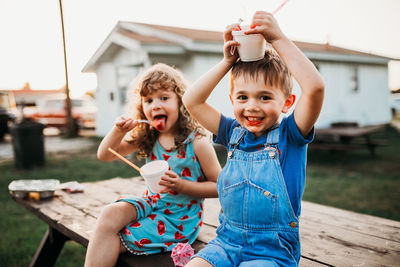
273 136
237 136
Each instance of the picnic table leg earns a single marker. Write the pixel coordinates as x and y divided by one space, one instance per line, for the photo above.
49 248
370 145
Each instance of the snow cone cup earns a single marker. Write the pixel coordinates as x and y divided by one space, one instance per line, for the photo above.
252 46
152 172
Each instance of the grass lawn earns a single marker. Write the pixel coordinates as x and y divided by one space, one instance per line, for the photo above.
354 181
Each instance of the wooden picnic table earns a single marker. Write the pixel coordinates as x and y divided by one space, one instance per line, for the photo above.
329 236
345 138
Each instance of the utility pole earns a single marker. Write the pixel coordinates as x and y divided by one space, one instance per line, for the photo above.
71 125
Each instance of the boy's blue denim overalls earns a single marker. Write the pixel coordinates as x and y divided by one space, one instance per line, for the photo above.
258 225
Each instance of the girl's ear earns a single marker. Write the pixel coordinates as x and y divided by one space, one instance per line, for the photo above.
288 103
230 97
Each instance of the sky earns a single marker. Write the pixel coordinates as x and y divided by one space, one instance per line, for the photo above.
31 48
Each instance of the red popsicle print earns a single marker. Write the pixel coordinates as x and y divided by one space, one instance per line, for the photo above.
166 157
141 205
135 224
179 235
184 217
180 227
186 172
155 198
142 242
161 227
152 216
153 157
126 231
167 211
168 243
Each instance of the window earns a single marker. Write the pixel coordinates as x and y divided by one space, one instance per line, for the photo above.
354 79
125 74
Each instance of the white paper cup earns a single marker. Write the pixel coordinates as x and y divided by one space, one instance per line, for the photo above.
152 172
252 46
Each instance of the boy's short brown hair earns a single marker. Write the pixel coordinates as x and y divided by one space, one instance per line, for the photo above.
271 68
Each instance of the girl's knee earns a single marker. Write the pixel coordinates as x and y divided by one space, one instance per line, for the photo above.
115 216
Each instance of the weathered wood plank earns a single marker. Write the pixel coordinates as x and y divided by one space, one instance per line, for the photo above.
329 235
341 247
367 224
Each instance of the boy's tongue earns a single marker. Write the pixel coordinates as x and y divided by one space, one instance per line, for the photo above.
159 123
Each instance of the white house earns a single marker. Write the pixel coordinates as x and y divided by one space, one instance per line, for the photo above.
356 83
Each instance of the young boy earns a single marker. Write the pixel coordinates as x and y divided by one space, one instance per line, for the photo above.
261 186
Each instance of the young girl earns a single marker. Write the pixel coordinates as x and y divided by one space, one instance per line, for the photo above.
156 222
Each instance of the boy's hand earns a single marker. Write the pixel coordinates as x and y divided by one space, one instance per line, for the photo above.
230 45
171 181
265 24
125 123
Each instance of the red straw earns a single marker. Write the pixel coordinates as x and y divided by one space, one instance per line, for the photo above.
279 7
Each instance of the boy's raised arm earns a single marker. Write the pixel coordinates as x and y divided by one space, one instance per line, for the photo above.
195 97
312 85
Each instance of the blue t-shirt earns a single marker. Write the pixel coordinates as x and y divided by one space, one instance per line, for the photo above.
293 147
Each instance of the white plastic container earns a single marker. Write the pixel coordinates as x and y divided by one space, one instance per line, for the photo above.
22 188
152 172
252 46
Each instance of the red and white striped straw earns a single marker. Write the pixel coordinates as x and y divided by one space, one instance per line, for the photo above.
279 7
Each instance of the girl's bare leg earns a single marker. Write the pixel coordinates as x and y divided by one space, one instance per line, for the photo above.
198 262
105 246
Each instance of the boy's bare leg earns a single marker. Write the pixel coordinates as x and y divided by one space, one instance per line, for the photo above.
198 262
105 245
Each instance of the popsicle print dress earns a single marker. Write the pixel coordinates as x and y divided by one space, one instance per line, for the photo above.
167 219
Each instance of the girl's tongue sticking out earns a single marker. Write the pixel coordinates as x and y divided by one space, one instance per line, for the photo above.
159 123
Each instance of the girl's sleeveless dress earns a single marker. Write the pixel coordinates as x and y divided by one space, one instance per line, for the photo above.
165 220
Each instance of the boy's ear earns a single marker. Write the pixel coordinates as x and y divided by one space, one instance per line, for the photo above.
288 103
230 97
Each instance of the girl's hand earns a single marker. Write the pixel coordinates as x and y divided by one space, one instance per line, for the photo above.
125 123
171 181
230 45
265 23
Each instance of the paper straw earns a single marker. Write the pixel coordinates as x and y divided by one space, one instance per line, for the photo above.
279 7
124 160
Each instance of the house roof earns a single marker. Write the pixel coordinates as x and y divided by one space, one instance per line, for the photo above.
215 36
27 90
126 34
195 34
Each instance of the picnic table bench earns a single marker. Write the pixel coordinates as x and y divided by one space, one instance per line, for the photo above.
329 236
345 137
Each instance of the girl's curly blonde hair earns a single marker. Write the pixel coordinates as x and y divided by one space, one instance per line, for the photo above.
160 77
